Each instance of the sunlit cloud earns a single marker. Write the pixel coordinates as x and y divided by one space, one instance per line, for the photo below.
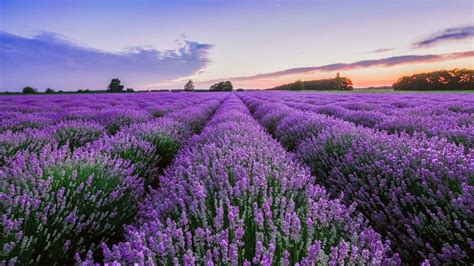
51 60
450 34
382 50
384 62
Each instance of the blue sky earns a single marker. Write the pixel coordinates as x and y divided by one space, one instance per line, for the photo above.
160 44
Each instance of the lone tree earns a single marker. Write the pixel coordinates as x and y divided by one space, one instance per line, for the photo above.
29 90
299 85
222 86
49 90
189 86
130 90
338 81
115 86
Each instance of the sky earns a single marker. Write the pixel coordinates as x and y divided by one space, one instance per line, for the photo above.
257 44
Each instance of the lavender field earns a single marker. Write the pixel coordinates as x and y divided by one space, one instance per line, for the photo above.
270 178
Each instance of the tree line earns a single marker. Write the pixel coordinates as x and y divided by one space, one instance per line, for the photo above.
116 86
220 86
337 83
455 79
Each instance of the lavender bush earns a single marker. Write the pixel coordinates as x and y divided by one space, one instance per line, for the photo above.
141 154
76 133
31 140
58 203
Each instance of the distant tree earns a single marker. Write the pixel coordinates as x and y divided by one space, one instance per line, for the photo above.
189 86
455 79
240 89
49 90
29 90
338 81
130 90
222 86
299 85
60 91
115 85
80 91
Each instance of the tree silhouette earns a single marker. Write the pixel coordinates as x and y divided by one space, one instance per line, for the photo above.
29 90
222 86
115 85
189 86
455 79
338 83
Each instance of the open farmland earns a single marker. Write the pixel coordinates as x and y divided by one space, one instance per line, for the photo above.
274 178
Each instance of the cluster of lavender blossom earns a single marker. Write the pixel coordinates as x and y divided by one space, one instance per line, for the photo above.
416 189
235 196
72 179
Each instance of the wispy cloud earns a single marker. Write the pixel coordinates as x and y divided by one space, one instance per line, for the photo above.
50 60
382 50
384 62
456 33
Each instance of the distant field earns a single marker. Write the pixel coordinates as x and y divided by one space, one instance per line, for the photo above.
224 177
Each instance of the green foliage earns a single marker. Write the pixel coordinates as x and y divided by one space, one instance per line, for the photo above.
115 85
222 86
456 79
166 146
189 86
130 90
29 90
118 123
49 90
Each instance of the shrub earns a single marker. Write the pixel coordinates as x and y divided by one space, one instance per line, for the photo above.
141 154
31 140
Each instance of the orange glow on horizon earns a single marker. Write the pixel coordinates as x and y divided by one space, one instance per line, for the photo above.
362 77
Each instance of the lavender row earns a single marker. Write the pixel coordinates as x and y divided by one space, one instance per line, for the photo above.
234 196
58 204
446 116
416 191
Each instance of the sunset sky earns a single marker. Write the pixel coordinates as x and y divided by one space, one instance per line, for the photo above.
256 44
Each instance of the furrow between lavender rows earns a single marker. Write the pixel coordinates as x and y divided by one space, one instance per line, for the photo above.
235 196
416 191
59 204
